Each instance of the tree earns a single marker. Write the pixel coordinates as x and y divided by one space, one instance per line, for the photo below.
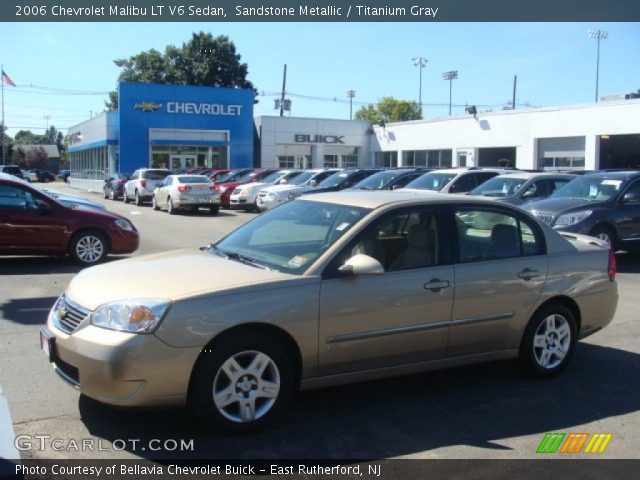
391 110
31 158
8 146
204 60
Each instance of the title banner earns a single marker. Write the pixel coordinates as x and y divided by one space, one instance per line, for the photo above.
318 11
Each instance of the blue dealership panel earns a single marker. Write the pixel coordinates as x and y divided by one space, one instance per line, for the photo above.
171 111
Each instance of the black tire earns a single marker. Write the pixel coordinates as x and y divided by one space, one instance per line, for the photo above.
170 209
531 358
138 200
106 195
604 232
208 375
84 242
125 199
112 195
154 203
214 210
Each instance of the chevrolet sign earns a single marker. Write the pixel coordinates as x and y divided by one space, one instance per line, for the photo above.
203 108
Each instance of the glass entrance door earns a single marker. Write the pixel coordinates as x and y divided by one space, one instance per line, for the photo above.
183 161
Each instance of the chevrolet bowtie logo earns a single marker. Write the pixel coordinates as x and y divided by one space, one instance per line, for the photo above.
147 106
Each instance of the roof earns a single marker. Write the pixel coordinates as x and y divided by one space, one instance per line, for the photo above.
528 175
379 198
620 174
51 150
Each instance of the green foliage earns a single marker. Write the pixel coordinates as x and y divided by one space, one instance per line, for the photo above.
391 109
204 60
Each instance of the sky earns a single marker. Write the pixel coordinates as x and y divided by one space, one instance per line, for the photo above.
555 64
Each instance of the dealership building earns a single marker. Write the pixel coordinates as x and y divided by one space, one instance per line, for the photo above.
184 127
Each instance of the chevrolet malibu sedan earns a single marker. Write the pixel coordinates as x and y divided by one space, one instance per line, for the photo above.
186 192
330 289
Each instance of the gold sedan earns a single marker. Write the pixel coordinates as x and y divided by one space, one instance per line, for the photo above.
325 290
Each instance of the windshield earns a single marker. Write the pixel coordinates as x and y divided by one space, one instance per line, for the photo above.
334 180
274 177
498 187
303 177
291 237
377 181
286 179
596 189
194 179
431 181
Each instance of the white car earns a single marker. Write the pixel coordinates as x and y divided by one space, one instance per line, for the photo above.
246 195
30 175
454 180
186 192
142 183
275 195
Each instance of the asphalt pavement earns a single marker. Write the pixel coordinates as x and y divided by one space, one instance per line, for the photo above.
482 411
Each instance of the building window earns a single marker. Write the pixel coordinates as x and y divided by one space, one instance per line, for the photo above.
385 159
294 156
188 156
573 161
426 158
341 156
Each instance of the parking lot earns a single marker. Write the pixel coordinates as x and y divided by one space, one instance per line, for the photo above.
483 411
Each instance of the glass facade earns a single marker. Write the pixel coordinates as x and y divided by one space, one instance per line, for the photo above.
341 156
426 158
385 159
294 156
188 156
93 163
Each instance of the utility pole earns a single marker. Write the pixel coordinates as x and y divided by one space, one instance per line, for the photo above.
420 62
513 99
598 35
284 84
46 117
451 76
350 95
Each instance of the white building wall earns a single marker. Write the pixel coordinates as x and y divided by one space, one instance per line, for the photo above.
513 128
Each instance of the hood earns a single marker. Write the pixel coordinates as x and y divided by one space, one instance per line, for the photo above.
66 200
559 205
169 275
280 188
253 187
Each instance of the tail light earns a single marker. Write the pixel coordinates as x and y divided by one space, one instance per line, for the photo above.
183 188
143 183
612 266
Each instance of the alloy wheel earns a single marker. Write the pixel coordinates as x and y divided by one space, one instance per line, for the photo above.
89 248
552 341
246 386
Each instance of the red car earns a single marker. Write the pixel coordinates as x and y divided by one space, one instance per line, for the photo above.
216 174
226 184
32 223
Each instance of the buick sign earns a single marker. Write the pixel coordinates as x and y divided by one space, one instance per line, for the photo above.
306 138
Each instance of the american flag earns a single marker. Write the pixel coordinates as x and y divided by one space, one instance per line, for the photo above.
6 80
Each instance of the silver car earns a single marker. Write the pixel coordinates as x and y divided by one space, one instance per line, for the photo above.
186 192
329 289
142 183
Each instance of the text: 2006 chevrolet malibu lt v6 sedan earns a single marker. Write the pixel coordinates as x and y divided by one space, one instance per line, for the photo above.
330 289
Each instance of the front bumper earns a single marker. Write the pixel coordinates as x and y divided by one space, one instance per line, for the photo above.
267 203
121 368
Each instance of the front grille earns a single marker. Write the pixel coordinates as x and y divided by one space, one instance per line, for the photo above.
544 217
262 194
66 371
70 315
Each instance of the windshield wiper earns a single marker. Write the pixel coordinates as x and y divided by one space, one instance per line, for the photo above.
236 256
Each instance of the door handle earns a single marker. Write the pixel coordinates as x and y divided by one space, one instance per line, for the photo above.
435 284
527 274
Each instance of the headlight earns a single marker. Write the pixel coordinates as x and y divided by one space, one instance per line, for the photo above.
573 218
139 316
244 192
124 224
293 195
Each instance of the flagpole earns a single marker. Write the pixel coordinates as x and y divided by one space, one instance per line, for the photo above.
4 162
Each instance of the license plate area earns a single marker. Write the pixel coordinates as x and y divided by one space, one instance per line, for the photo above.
47 343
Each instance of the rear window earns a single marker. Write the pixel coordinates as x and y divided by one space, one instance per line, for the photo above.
194 179
155 174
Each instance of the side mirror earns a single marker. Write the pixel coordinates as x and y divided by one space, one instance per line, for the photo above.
453 188
313 183
529 194
361 265
630 197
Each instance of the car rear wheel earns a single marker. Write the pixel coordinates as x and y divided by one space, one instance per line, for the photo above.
549 341
106 195
125 199
138 199
242 383
606 234
154 203
112 194
170 209
88 248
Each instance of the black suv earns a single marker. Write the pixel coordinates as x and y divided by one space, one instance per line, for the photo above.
12 170
602 204
391 178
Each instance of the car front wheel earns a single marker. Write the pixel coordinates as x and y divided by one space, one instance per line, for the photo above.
606 234
88 248
549 341
242 384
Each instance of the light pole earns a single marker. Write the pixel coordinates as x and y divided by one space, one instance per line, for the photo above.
451 76
46 117
420 62
598 35
350 95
